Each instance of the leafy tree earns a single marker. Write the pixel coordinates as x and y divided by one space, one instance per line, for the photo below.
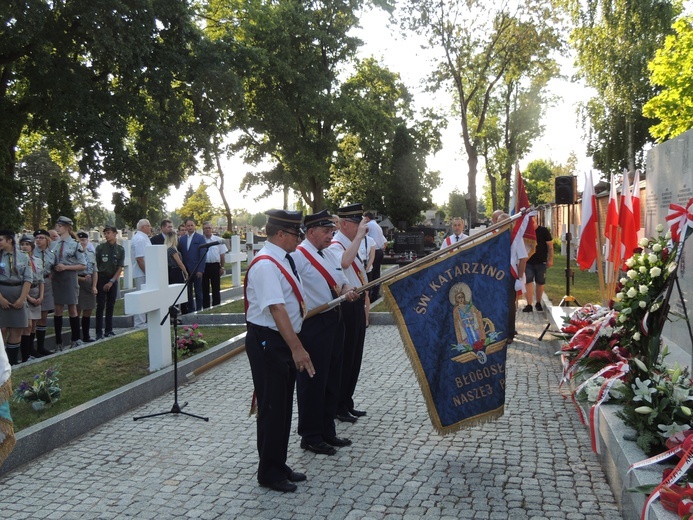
457 204
108 81
539 178
614 41
198 206
672 69
35 171
480 44
259 220
58 202
409 192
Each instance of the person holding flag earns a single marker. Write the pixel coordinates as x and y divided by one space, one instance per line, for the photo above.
275 306
321 335
345 245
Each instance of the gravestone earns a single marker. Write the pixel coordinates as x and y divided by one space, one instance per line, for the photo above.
670 180
235 257
154 300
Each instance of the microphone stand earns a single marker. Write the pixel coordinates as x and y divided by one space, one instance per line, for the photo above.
173 311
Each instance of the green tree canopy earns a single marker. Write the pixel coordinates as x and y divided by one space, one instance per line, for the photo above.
614 41
198 206
672 70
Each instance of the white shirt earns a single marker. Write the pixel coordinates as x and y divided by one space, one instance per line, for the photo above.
139 242
340 243
451 240
214 253
314 283
268 286
376 233
365 247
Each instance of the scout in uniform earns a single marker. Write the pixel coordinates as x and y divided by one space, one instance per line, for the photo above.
43 253
87 287
110 257
15 282
275 306
33 299
69 259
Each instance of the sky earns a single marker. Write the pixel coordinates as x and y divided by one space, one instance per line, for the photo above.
562 135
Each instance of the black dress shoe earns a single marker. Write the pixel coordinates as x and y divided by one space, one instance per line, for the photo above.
346 417
45 352
283 485
357 413
337 441
88 340
295 476
321 448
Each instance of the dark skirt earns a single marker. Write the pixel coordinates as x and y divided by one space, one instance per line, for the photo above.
175 275
47 303
34 310
87 300
13 318
65 288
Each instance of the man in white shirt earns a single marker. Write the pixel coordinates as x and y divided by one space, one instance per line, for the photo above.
275 306
214 267
323 281
139 241
457 232
345 244
376 233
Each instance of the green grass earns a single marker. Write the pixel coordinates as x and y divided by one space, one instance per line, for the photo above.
585 287
96 370
234 307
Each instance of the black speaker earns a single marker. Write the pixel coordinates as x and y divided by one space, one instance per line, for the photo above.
566 190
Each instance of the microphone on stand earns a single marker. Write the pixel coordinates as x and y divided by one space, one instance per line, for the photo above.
210 244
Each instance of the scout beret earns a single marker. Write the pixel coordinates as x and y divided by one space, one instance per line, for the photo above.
42 232
27 238
64 220
82 234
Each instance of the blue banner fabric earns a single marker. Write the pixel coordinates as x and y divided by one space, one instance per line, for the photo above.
453 316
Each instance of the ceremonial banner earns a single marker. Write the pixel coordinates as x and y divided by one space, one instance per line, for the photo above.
7 441
453 316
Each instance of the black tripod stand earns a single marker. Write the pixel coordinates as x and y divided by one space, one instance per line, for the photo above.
173 312
567 299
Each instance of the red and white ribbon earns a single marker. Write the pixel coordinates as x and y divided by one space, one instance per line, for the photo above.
680 218
617 372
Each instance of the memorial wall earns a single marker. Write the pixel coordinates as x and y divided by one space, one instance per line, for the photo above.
670 179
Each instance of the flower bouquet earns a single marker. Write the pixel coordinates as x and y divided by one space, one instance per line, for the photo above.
41 392
190 341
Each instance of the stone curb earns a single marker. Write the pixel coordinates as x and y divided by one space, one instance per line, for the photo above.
61 429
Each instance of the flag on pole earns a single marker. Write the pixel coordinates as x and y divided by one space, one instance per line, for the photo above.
453 317
611 225
629 236
636 201
520 201
587 248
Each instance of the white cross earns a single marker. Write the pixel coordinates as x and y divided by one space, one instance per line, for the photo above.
235 257
154 299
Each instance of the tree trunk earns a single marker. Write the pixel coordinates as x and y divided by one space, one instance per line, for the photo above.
227 207
472 161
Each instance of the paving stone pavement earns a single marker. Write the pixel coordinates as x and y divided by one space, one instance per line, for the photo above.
533 463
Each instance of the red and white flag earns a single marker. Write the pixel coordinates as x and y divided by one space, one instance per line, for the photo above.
587 248
520 201
636 201
611 224
629 236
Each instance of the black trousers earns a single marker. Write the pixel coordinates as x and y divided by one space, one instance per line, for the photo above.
354 316
274 376
105 299
211 276
318 395
374 292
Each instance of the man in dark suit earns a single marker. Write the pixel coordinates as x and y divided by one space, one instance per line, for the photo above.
189 247
160 239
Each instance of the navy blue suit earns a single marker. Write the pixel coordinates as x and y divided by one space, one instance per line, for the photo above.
191 256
